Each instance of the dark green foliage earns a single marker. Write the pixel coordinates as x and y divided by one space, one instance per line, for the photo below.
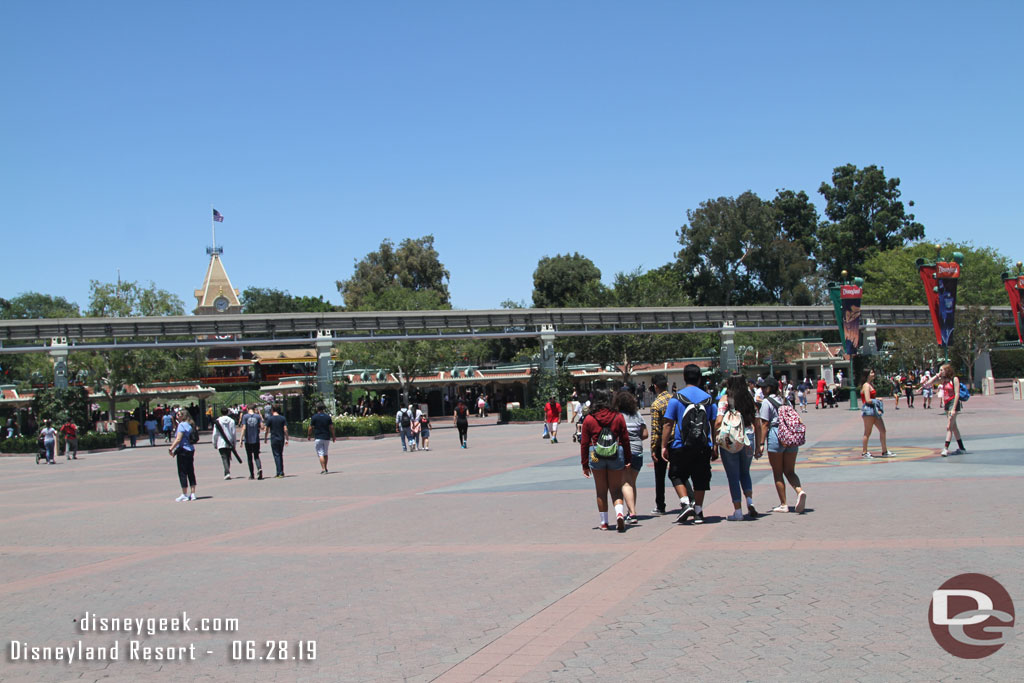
61 405
36 305
268 300
1008 363
567 281
410 277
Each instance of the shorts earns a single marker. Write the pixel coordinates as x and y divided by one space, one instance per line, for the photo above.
321 447
424 433
927 392
868 410
616 463
773 445
694 465
636 461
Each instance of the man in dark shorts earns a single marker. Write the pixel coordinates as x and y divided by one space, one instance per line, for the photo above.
251 424
689 460
277 430
321 428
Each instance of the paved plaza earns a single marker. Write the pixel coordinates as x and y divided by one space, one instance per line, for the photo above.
486 563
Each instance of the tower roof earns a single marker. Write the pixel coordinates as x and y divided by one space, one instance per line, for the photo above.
217 284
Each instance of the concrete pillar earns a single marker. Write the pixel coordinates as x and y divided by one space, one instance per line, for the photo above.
324 369
728 359
59 353
547 348
870 345
983 374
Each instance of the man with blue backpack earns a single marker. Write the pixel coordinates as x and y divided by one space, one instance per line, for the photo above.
687 443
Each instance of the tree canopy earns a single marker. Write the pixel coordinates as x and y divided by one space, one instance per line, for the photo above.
269 300
414 267
865 216
890 277
567 280
36 305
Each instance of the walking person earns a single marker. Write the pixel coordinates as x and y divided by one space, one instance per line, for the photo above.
277 431
687 444
871 412
321 428
132 429
781 457
49 436
252 423
69 430
184 450
461 419
603 446
150 426
224 438
552 414
801 394
425 431
403 425
738 442
949 386
659 385
625 403
927 390
819 396
168 426
908 388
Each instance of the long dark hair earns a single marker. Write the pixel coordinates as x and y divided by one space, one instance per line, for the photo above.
625 402
602 399
739 396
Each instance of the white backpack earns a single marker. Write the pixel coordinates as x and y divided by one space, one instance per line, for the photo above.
732 436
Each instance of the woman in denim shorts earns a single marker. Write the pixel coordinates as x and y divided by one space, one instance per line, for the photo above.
608 473
871 413
625 403
782 458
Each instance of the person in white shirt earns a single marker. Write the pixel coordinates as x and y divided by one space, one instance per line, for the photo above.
224 439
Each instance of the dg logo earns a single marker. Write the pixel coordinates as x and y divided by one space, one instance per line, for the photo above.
971 616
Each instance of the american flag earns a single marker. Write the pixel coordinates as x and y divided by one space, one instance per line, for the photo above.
218 216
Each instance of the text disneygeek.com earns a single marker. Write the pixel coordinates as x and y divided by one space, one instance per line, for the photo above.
140 649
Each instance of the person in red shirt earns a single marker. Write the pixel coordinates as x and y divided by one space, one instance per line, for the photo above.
69 430
609 473
552 414
820 397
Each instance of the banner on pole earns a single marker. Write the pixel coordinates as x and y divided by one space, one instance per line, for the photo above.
1015 290
850 300
940 281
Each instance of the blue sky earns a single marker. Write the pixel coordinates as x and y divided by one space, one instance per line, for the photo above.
509 131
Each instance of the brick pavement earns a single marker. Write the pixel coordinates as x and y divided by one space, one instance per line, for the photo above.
485 564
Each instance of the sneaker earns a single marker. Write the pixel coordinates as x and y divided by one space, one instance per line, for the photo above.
801 501
781 508
888 454
620 523
226 477
736 516
604 526
191 496
944 452
278 476
686 514
867 455
251 477
259 475
699 518
181 499
958 451
752 511
631 519
463 445
657 512
545 437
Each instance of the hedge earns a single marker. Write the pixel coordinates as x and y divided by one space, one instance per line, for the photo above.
86 442
1008 363
348 425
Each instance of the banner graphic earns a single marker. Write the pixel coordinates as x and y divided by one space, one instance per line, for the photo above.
1015 290
850 298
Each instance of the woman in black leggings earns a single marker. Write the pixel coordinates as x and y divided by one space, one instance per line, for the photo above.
184 450
462 422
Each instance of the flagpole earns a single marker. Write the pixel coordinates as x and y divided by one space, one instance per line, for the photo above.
213 229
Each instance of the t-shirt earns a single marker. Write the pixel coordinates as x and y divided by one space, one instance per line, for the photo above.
674 412
276 424
321 424
185 429
552 411
150 425
49 434
133 427
168 421
821 386
252 423
635 427
69 430
768 412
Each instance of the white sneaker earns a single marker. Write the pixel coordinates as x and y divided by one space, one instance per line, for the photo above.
867 455
888 454
191 496
944 452
801 501
736 516
181 499
226 477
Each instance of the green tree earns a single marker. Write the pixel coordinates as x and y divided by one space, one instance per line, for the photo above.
61 405
36 305
890 277
865 216
414 266
567 281
268 300
974 334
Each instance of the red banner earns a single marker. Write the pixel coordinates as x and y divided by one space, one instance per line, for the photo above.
927 273
1015 288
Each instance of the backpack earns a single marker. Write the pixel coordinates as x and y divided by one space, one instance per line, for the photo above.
965 393
424 421
694 428
732 437
193 435
791 429
607 446
406 420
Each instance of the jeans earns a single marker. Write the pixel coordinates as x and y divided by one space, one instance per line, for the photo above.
277 448
408 440
152 437
186 467
660 470
51 447
737 470
252 450
225 458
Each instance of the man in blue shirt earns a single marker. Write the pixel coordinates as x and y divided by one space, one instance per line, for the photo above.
689 458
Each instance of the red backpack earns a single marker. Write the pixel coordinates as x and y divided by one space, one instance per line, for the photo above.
790 427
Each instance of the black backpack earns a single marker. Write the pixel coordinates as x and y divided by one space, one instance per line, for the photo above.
193 435
695 428
406 420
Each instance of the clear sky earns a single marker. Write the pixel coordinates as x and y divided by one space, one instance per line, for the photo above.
509 131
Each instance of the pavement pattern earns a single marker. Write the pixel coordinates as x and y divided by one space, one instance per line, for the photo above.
487 563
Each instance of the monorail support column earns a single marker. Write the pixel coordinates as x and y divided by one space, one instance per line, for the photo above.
547 349
728 353
324 369
59 353
870 339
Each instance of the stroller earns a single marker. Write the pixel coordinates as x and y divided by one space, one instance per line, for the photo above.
578 434
41 453
832 396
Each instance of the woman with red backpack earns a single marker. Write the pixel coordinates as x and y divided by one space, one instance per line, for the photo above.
603 445
782 456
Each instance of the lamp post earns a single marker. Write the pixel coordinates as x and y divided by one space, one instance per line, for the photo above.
846 297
